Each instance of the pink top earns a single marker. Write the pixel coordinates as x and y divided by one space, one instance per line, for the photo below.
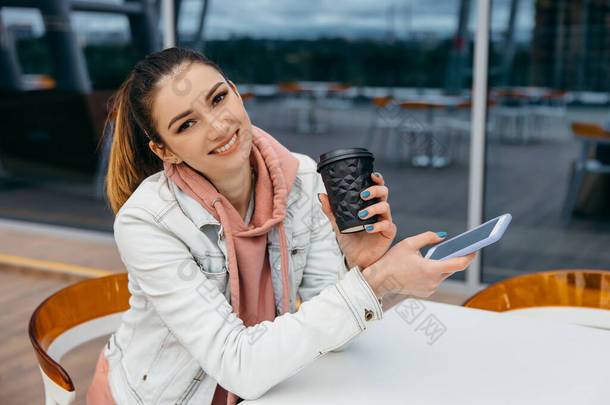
99 391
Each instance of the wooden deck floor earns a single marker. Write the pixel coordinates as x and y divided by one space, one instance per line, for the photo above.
21 291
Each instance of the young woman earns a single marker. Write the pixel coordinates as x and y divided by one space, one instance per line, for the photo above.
237 272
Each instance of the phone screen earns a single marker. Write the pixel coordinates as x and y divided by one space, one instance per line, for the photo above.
464 240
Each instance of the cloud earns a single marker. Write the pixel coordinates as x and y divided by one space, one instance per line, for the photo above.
307 19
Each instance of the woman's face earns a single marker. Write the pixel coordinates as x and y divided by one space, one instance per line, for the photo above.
197 112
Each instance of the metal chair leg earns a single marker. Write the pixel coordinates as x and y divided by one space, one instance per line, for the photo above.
576 183
573 192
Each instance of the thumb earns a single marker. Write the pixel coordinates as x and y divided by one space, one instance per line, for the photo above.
424 239
327 210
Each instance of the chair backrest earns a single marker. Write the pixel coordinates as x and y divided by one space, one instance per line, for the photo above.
248 95
381 102
339 87
589 130
290 87
74 315
574 296
421 105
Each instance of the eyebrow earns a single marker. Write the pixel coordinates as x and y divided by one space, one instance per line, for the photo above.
184 114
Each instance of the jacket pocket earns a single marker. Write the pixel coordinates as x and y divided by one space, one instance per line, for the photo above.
214 268
191 387
211 262
169 360
117 377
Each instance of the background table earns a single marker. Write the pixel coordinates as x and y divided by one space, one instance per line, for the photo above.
431 104
429 353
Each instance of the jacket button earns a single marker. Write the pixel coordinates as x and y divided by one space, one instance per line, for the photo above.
222 236
294 252
368 314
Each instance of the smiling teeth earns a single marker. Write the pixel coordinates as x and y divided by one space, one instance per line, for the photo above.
227 146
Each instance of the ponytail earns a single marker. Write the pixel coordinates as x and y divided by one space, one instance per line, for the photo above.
131 159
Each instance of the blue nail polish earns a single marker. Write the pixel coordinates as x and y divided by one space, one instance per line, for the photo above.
441 234
369 227
365 194
376 174
363 214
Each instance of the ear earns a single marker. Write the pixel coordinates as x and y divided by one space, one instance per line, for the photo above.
163 153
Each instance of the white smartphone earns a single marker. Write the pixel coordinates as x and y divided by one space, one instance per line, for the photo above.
472 240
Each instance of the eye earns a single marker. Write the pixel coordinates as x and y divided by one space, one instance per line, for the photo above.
183 125
219 97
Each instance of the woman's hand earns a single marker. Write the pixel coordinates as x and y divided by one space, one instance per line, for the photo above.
365 248
403 270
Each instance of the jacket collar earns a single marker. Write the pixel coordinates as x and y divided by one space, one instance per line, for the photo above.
191 207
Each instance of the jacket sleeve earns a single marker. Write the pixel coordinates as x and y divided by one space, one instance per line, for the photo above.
247 361
325 261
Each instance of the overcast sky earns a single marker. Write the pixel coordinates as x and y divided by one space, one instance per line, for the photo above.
308 19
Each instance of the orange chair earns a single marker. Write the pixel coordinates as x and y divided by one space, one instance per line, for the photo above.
248 95
339 87
291 87
72 316
572 296
589 136
382 102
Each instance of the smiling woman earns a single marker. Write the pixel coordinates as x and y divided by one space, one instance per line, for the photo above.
235 285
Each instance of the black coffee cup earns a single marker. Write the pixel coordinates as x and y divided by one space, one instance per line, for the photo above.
345 173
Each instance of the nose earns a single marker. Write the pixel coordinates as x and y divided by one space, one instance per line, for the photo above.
218 133
219 127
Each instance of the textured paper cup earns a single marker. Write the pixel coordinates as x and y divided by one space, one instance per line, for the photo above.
346 172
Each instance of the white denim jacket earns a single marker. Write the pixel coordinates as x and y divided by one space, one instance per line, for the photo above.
180 338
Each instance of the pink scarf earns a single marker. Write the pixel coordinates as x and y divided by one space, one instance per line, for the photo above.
252 296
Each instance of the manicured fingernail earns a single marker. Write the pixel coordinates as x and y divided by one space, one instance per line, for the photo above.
369 227
377 174
365 194
363 214
441 234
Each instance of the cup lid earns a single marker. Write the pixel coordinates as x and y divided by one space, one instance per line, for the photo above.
344 153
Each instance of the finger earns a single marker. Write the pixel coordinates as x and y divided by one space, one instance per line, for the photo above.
385 227
453 264
424 239
377 178
327 210
380 192
381 208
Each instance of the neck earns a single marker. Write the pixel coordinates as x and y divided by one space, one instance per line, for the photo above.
237 189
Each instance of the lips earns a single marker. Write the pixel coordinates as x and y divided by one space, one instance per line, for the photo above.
223 143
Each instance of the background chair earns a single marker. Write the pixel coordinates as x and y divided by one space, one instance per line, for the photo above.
589 135
72 316
302 100
386 122
572 296
457 127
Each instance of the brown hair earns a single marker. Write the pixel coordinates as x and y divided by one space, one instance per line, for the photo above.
131 159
